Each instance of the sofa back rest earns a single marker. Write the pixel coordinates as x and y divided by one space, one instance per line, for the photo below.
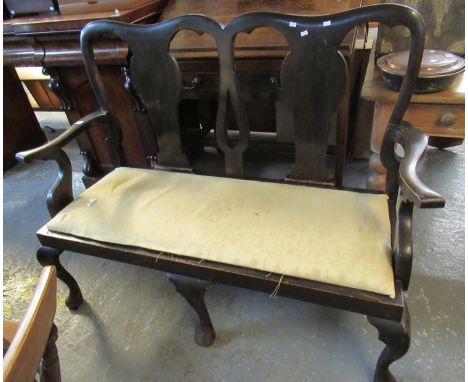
313 78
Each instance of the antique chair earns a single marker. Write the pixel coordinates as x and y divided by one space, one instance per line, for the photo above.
31 342
305 239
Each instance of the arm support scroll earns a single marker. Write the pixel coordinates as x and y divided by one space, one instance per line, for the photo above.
47 151
61 192
405 190
402 171
403 248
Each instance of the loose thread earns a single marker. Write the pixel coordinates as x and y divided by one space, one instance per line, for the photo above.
201 261
275 292
268 275
157 257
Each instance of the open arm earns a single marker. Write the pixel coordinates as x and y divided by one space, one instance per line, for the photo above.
405 190
61 192
402 171
414 143
49 150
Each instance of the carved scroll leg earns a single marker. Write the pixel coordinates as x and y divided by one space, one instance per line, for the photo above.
396 336
50 365
193 290
50 256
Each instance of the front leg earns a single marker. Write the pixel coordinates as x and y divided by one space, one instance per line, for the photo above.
396 336
193 290
50 256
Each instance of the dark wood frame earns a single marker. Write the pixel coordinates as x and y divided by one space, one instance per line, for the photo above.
161 94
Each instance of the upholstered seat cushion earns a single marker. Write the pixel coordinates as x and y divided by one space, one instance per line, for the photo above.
332 236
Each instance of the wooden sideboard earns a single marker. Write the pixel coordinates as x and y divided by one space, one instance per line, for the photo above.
52 42
21 131
262 42
439 115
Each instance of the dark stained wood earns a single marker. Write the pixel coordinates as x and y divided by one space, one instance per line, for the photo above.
372 304
323 88
21 131
83 6
404 250
138 141
303 78
404 186
399 133
59 48
263 42
53 42
50 256
56 87
89 166
193 290
401 174
61 192
301 86
59 23
270 46
396 337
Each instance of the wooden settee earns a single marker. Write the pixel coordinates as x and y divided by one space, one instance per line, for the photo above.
306 236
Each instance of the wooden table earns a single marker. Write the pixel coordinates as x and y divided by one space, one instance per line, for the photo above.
439 115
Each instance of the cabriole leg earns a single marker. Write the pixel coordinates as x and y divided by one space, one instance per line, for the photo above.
50 256
193 290
396 336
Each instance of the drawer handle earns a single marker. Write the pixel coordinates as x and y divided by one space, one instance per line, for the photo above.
448 119
275 83
195 83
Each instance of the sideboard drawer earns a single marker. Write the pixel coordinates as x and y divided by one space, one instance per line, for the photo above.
435 120
438 120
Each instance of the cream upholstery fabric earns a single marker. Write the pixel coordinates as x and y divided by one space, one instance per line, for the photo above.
337 237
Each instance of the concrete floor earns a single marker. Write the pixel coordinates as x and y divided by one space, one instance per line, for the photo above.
134 327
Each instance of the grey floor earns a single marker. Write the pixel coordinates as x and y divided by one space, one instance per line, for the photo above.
134 327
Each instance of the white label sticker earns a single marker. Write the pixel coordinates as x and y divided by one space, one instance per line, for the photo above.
91 202
326 23
292 24
304 33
